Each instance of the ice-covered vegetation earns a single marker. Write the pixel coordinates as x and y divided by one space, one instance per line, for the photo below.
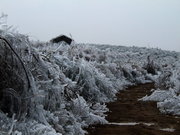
167 92
54 89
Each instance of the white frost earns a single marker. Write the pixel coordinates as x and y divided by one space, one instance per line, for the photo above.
130 123
168 129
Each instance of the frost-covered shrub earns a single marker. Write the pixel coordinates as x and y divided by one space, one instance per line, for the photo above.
175 78
150 66
61 87
163 81
16 82
168 88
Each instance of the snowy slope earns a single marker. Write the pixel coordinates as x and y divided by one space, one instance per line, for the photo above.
63 89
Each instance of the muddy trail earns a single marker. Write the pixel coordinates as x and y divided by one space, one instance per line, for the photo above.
128 116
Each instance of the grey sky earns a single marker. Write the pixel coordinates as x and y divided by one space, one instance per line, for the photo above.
149 23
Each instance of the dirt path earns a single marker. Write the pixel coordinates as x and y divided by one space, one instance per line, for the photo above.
128 116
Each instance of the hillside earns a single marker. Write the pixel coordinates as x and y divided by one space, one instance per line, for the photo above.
54 89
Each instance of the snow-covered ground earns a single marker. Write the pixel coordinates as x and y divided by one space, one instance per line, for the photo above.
55 89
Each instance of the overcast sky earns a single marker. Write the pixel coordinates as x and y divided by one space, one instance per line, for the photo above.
149 23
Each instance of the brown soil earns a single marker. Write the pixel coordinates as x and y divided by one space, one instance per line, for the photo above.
127 108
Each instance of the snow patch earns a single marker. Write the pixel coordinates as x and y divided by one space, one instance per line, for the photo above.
168 129
159 95
130 123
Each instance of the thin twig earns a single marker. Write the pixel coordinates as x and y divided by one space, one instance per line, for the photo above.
12 126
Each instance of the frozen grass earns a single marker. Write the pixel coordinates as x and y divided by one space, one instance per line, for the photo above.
168 89
54 89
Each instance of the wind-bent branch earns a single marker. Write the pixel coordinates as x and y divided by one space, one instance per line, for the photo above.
26 73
